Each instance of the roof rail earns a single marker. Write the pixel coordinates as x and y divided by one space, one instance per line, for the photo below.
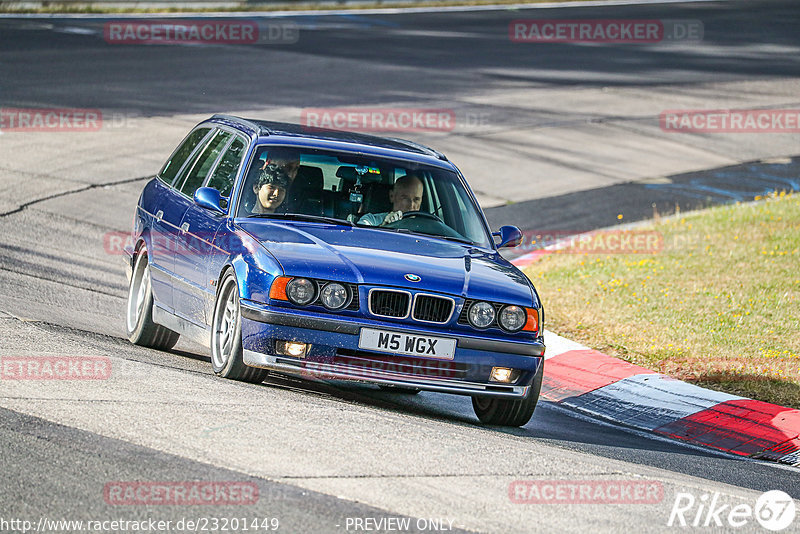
233 118
418 146
262 129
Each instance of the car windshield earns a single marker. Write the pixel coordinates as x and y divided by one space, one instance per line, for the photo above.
383 194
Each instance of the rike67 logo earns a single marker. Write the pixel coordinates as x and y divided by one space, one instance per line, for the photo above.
773 510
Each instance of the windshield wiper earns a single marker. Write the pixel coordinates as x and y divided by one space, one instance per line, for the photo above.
407 231
457 239
448 238
301 217
384 228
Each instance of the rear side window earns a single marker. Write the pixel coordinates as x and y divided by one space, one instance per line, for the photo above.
224 175
203 162
174 164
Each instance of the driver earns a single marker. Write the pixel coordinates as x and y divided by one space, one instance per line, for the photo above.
405 196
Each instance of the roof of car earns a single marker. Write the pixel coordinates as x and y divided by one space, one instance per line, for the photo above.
266 128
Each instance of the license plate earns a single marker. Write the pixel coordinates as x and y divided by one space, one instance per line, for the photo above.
408 344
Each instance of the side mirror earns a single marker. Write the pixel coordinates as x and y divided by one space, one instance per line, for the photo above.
510 236
210 199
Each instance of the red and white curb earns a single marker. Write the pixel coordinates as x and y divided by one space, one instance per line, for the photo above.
607 387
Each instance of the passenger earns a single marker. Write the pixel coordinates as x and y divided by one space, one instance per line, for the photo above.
405 196
270 189
287 159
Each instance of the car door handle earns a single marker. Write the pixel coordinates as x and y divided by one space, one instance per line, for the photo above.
185 227
159 215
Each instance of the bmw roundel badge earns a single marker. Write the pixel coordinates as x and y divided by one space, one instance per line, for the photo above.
413 277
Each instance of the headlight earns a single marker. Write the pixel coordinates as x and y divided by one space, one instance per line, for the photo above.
481 314
301 291
513 318
333 296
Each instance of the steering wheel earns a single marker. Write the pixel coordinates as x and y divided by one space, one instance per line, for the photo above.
426 223
424 214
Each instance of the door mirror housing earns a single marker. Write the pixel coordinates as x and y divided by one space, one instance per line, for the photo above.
510 236
210 199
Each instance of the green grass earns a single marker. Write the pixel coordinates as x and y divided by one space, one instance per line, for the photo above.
89 7
718 306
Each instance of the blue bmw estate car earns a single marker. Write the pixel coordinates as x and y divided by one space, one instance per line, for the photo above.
333 255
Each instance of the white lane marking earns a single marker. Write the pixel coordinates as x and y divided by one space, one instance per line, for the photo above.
76 30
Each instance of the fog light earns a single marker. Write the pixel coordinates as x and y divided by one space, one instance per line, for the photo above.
501 374
291 348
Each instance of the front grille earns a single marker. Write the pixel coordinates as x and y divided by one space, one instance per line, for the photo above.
370 362
354 304
386 303
432 309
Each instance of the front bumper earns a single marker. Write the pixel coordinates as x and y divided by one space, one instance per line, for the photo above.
335 354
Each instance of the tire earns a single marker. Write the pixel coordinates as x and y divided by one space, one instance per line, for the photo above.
139 325
509 412
400 389
226 336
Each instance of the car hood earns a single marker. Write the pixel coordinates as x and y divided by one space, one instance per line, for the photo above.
377 257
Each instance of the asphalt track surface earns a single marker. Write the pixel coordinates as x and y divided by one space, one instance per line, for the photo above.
321 453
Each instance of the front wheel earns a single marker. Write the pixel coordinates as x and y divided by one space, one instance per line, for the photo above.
139 323
226 336
509 412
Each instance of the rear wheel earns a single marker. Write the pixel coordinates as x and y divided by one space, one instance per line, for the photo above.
139 323
509 412
226 336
